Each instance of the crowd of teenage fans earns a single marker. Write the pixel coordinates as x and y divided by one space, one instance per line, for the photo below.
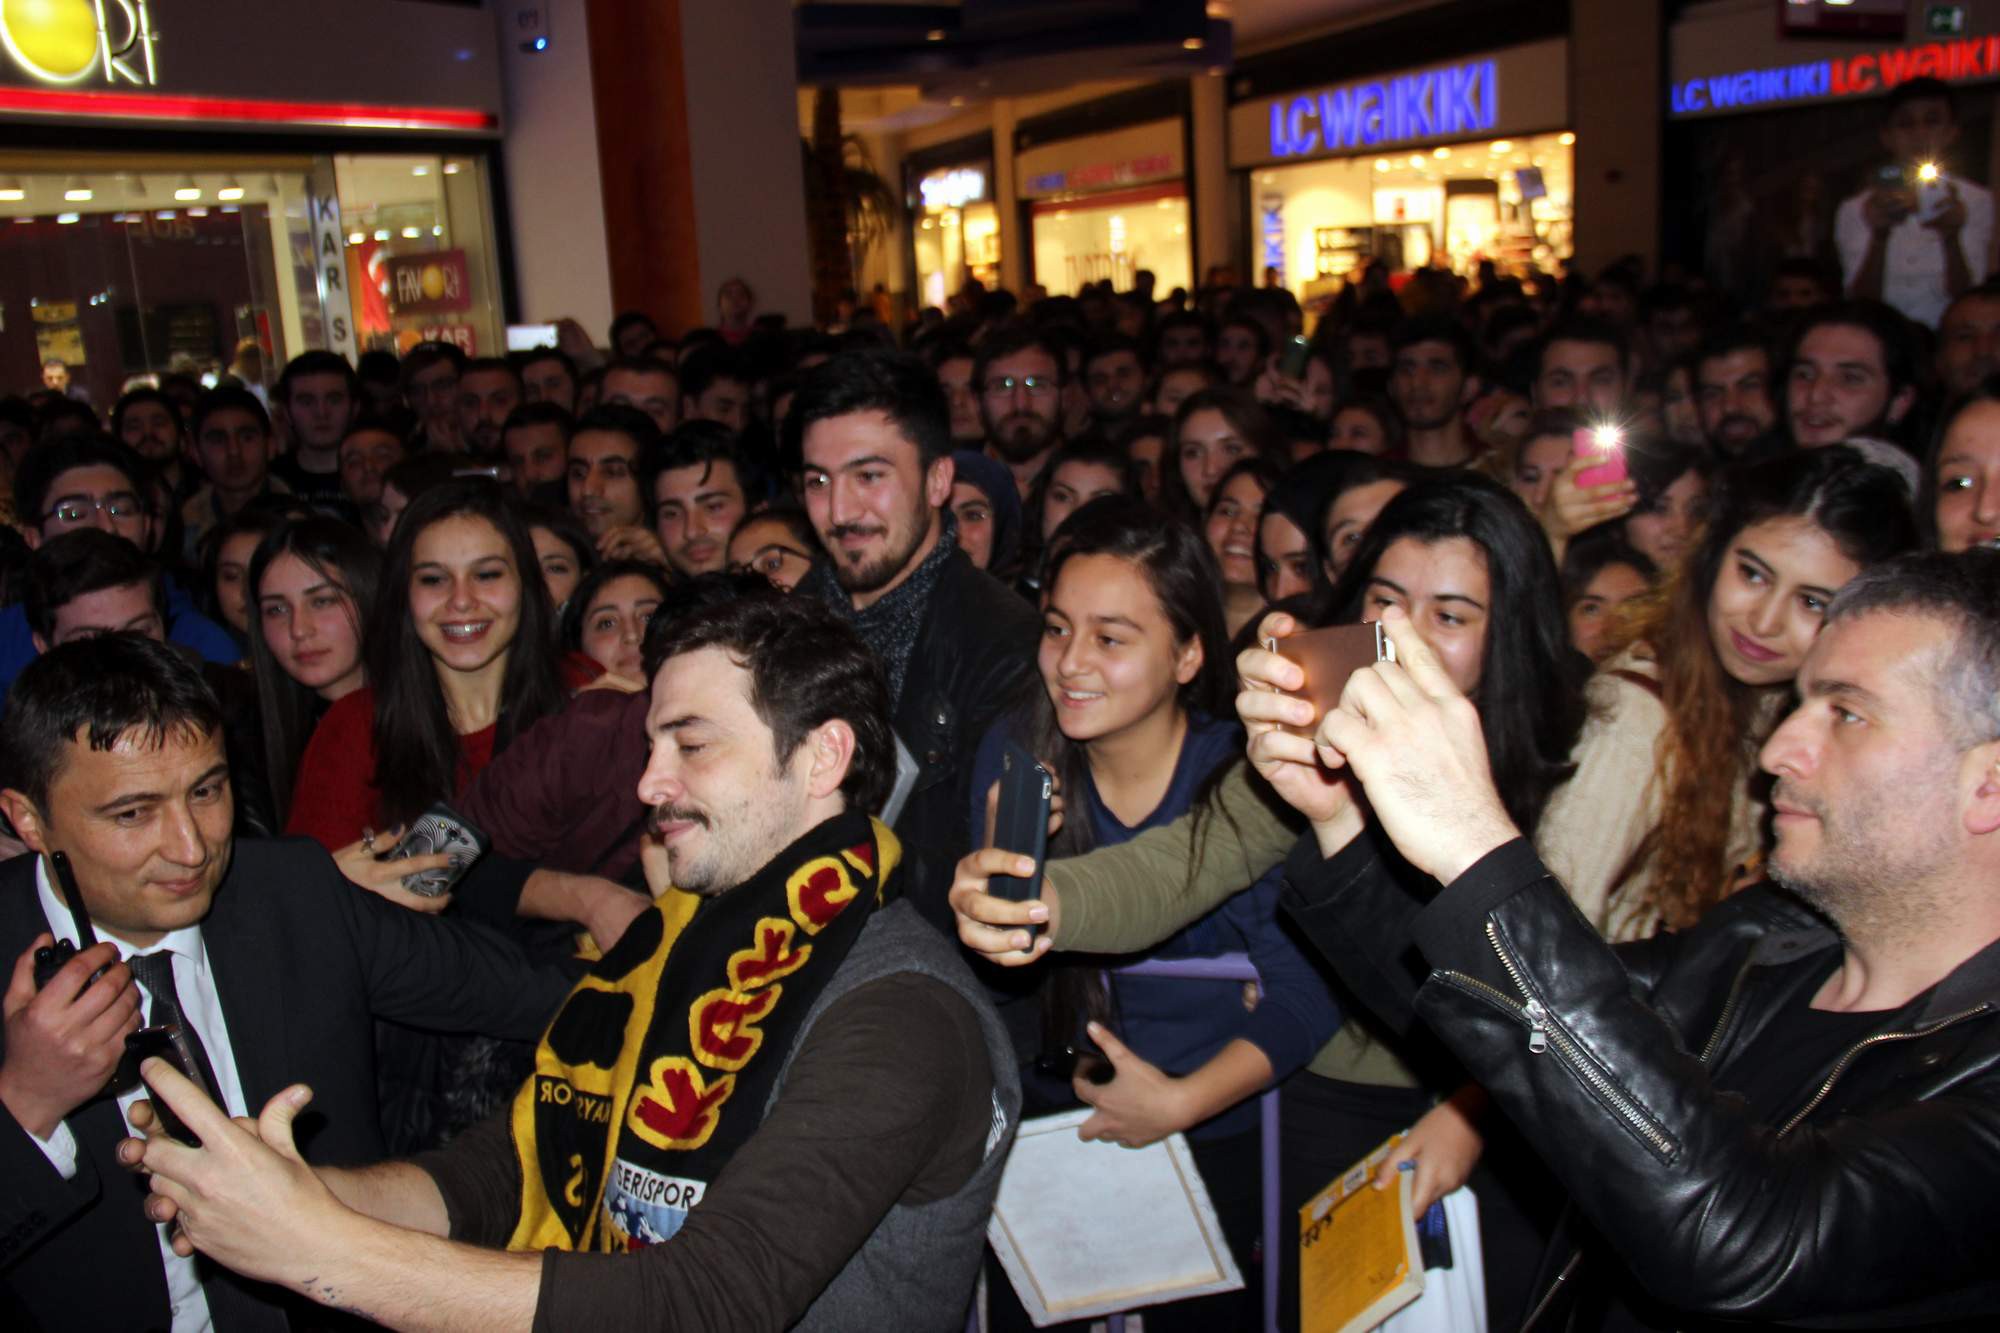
430 577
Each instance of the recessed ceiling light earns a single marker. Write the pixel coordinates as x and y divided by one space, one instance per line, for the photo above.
231 189
411 233
66 218
421 169
1193 44
187 189
77 191
12 191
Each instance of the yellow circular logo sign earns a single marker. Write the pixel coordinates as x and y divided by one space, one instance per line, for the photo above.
433 280
51 39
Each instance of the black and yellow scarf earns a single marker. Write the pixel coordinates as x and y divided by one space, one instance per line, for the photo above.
652 1076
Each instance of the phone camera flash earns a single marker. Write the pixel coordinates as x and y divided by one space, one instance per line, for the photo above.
1608 438
1927 172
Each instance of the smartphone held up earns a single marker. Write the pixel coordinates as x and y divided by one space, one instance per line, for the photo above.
1604 448
1330 657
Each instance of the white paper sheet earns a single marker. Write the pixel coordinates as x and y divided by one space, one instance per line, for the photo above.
1086 1229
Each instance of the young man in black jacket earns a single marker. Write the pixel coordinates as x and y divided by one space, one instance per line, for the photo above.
1790 1112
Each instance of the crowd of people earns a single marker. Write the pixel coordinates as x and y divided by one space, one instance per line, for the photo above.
1648 893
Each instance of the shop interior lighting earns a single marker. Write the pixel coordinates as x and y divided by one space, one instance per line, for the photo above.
1566 138
12 191
453 168
77 191
1440 152
231 209
1193 44
421 169
1500 146
198 212
1381 164
437 229
231 189
65 219
187 189
382 233
934 35
411 233
356 237
24 222
166 215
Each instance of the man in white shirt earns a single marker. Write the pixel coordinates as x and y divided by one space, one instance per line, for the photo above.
112 753
1919 236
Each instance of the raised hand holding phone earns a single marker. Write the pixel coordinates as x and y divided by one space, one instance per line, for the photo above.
1414 742
1279 723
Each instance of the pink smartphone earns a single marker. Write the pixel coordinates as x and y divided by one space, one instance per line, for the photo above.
1601 442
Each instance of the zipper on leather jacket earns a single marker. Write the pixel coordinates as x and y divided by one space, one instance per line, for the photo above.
1840 1065
1728 1009
1542 1034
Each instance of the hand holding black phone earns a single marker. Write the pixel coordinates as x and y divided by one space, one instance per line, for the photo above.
1021 823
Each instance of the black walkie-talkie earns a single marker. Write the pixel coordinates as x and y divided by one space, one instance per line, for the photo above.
50 958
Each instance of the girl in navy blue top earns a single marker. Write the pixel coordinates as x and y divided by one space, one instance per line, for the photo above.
1139 686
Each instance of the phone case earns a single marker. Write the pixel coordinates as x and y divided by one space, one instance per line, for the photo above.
1329 657
1022 822
440 829
1584 445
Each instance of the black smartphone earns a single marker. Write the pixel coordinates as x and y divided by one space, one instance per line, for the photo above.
1293 360
169 1043
440 829
1021 823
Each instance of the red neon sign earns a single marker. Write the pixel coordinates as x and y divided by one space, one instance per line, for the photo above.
187 106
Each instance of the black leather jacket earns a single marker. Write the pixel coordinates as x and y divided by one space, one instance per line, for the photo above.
974 659
1875 1202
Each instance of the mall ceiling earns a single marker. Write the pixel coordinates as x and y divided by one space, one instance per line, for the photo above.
976 49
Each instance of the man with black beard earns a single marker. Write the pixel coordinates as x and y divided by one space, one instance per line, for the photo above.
1733 391
874 435
1019 375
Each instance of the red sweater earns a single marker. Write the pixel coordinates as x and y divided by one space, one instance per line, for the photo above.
334 799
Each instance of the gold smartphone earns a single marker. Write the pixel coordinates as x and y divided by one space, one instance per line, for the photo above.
1330 657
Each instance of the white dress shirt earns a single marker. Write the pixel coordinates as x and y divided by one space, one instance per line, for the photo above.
202 1010
1913 265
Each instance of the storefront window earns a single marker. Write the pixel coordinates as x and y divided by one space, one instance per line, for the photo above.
1507 200
132 267
1111 237
957 234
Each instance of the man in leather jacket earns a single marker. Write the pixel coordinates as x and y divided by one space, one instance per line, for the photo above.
1787 1114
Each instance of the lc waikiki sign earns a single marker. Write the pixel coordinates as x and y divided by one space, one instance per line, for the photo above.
79 41
1456 101
1965 60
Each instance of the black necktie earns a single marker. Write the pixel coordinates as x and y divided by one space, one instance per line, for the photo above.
155 971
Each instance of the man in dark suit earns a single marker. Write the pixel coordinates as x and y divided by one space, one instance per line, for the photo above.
272 962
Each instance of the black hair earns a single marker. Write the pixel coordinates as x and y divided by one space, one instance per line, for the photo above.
379 367
892 383
318 361
702 444
1530 692
1656 463
795 521
1590 553
44 463
427 354
536 355
222 398
262 516
1009 339
1262 335
568 529
1245 415
145 393
627 319
1385 414
1300 497
288 710
417 752
1581 329
1729 341
1110 344
807 667
620 419
96 691
704 366
540 414
1437 329
498 364
570 635
366 420
1923 88
642 365
75 564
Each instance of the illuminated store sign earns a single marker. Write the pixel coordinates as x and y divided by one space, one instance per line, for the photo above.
1963 61
952 189
1102 175
1458 101
77 41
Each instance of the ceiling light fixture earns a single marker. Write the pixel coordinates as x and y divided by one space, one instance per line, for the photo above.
187 189
231 189
78 191
1193 44
12 191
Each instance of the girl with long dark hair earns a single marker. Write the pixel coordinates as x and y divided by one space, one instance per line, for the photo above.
607 618
1235 515
312 588
1214 430
1666 814
1134 716
458 665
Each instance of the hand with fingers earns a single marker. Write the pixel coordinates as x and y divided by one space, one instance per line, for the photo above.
1414 742
1138 1105
1441 1148
1571 508
245 1197
64 1040
993 927
366 862
1311 781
